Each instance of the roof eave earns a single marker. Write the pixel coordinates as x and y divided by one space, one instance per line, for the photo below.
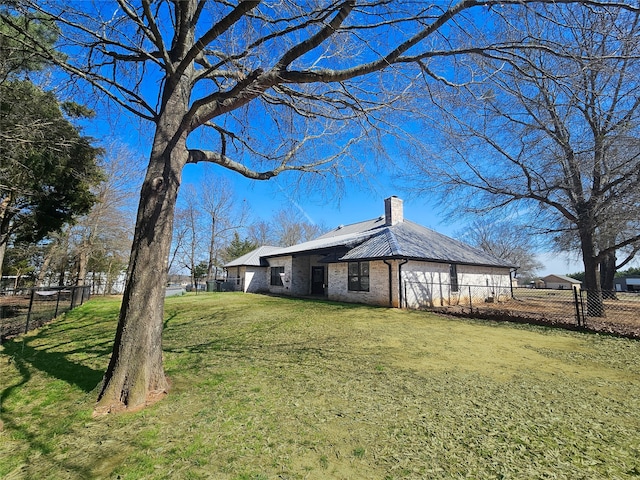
424 259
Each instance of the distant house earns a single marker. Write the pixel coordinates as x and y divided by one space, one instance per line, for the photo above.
560 282
630 283
386 261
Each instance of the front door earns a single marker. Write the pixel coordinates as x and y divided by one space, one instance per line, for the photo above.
317 280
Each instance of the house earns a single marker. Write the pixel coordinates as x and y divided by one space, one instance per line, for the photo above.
249 272
629 283
385 261
561 282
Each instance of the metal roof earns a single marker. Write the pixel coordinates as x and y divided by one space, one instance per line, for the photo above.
323 243
412 241
563 278
373 239
254 258
359 227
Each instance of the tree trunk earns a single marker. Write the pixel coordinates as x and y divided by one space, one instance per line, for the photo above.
607 274
83 262
212 249
595 305
4 228
3 249
43 268
135 376
108 281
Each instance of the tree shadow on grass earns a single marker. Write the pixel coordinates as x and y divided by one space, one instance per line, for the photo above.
54 363
21 356
53 358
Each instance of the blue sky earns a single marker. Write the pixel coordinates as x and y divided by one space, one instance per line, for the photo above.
358 201
356 204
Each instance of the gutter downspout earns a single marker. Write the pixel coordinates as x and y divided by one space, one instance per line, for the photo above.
400 296
390 283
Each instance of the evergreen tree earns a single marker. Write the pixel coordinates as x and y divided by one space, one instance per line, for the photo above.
238 247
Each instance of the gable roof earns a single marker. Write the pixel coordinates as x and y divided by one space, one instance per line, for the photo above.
562 278
255 258
353 228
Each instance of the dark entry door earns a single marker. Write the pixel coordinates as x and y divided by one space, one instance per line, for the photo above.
317 280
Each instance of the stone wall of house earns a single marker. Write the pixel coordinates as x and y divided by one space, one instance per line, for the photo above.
425 284
414 284
300 275
378 293
285 262
256 279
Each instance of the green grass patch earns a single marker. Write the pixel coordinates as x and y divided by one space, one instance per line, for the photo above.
267 387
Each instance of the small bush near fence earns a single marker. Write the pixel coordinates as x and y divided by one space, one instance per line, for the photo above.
614 312
28 308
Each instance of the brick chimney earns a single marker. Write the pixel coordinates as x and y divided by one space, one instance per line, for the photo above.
393 211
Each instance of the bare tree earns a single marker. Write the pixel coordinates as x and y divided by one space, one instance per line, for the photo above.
547 130
180 239
190 223
261 233
619 225
290 227
226 214
101 239
207 215
506 240
267 88
108 228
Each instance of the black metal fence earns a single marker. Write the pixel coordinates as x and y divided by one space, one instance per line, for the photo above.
24 309
610 312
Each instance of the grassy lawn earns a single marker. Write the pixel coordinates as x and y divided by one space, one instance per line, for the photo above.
272 388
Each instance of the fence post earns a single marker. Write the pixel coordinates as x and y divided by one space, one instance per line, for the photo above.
26 327
578 303
470 300
74 291
57 303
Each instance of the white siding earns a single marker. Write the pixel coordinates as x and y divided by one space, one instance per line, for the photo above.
429 284
414 284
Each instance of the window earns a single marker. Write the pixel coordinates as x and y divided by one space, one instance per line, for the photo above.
358 276
276 276
453 274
